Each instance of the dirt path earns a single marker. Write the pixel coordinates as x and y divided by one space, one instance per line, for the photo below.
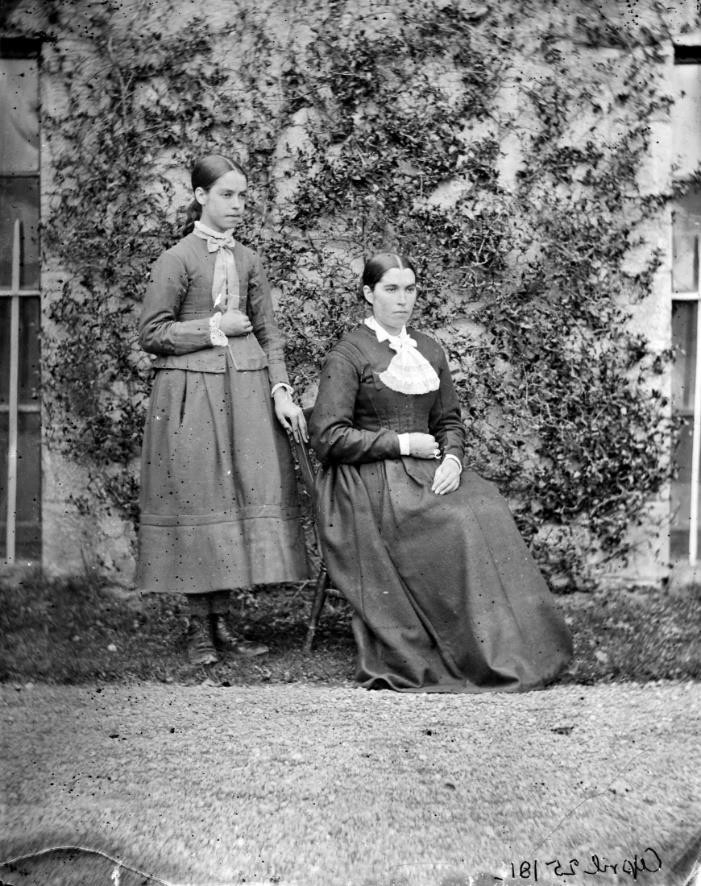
341 787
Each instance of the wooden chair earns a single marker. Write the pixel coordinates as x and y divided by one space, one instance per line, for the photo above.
321 588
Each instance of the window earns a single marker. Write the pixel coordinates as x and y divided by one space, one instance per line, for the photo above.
20 410
686 315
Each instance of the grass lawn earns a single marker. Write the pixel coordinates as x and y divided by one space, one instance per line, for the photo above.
79 631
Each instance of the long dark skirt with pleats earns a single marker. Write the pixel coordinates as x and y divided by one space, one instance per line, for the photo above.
218 493
447 597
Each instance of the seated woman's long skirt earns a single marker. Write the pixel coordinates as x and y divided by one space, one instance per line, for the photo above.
446 595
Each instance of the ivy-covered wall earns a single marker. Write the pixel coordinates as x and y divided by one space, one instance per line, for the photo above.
519 151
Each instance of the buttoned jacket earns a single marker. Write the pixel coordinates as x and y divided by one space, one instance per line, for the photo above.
178 306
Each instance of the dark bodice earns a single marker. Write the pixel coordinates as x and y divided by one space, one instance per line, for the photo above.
178 304
357 417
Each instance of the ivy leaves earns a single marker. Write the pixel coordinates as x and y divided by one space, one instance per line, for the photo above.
560 401
404 128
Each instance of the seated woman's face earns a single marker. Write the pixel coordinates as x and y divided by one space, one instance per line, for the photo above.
393 298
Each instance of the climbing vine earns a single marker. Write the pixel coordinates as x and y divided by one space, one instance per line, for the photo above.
132 107
385 128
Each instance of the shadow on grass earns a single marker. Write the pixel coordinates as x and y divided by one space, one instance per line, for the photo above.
78 630
68 865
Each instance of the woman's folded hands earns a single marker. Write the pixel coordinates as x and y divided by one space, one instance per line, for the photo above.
235 323
447 476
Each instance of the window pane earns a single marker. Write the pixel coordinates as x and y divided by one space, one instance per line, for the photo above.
28 470
4 350
19 113
4 438
681 485
684 314
19 199
684 342
686 236
684 319
680 495
686 119
28 514
28 369
29 326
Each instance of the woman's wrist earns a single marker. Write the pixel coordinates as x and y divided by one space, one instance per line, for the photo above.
281 388
453 457
217 337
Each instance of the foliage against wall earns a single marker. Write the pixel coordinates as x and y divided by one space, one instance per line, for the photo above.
385 128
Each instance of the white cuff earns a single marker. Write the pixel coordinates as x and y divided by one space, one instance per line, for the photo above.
216 336
281 384
404 444
455 458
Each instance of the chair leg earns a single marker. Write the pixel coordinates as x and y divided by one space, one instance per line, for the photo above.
322 585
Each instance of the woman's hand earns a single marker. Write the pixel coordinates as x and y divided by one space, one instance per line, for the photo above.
235 323
447 477
290 415
423 446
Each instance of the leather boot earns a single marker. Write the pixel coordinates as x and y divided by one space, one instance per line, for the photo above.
224 639
200 650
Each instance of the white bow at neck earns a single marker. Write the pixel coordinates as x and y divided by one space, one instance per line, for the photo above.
225 278
215 239
409 372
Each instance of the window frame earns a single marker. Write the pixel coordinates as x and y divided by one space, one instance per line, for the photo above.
18 48
690 54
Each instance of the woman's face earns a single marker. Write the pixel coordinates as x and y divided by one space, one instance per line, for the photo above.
223 204
393 298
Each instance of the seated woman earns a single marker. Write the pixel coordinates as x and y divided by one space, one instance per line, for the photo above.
446 596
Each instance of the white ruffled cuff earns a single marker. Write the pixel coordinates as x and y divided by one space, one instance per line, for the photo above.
404 444
282 384
455 459
216 336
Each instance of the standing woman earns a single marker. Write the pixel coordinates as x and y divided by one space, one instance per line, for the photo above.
218 493
446 596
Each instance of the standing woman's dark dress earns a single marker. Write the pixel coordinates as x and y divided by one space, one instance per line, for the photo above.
446 595
218 495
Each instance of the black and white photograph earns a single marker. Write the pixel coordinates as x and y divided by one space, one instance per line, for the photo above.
350 442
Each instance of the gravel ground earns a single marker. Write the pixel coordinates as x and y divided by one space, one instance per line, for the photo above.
316 786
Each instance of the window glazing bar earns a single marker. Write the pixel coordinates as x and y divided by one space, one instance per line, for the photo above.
685 296
13 399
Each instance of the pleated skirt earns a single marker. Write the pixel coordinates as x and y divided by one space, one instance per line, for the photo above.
446 595
219 507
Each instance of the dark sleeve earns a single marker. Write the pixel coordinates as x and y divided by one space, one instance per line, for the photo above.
265 328
444 421
333 435
160 331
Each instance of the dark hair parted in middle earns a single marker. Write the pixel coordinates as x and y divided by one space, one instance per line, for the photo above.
204 173
377 266
211 167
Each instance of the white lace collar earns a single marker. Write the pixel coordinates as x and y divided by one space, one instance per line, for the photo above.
409 372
